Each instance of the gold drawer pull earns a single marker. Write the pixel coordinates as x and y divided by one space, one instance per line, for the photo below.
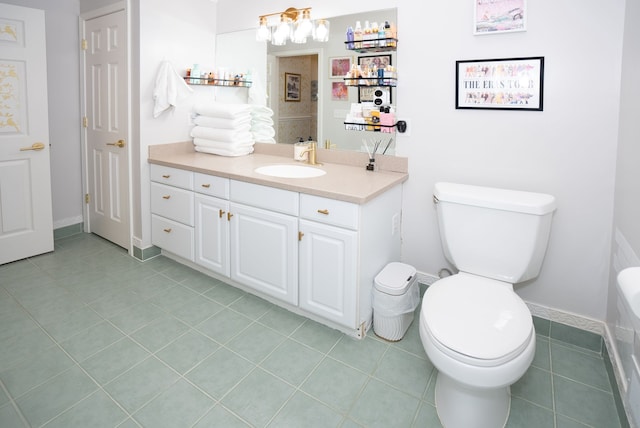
325 212
300 235
229 215
206 186
221 213
166 176
166 197
168 230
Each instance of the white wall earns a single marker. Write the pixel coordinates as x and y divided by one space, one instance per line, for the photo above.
568 150
626 245
61 21
183 35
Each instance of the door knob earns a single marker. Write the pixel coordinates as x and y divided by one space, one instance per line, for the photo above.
119 143
34 146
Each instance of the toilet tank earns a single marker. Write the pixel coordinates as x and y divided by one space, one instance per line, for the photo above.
495 233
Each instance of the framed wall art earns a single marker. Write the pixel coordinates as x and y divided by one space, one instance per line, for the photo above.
375 62
292 85
500 84
339 91
339 66
499 16
379 95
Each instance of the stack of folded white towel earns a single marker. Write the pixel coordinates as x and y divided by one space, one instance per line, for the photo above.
223 129
262 124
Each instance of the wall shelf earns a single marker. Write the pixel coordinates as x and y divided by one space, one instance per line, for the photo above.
206 81
372 45
371 81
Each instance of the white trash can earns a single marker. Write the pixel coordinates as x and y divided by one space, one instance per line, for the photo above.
396 296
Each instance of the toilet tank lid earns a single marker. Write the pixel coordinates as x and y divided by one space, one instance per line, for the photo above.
491 197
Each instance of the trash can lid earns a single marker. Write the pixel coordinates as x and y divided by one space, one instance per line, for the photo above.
395 278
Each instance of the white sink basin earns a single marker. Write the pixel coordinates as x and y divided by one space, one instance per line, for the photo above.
290 171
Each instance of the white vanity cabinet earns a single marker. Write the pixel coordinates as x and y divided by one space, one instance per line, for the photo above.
172 215
343 247
329 259
314 255
212 223
264 239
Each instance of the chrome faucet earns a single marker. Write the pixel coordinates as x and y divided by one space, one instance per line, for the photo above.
311 159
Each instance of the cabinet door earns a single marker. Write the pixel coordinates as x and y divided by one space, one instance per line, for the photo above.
212 234
328 272
264 251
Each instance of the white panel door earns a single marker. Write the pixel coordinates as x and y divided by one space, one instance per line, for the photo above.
212 233
264 251
26 224
329 272
106 98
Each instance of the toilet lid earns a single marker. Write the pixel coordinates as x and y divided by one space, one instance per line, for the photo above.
478 317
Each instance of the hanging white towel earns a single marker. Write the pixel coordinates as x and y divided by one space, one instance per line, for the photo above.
169 89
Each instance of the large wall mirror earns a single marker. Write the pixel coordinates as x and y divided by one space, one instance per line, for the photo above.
319 111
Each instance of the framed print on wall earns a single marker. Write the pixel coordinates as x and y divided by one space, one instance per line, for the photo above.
339 66
375 62
379 95
500 84
339 91
292 87
499 16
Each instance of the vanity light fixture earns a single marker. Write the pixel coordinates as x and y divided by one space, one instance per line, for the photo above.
294 24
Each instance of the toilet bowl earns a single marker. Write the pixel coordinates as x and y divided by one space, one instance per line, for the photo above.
480 336
474 328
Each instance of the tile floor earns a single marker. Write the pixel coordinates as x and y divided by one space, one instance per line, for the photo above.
90 337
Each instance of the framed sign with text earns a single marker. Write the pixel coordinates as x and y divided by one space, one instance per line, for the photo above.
500 84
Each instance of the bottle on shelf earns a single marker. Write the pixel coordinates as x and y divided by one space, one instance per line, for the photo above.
357 35
350 38
366 35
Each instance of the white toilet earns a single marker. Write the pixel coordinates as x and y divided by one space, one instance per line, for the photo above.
475 329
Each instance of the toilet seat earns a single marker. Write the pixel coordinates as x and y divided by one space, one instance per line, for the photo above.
476 320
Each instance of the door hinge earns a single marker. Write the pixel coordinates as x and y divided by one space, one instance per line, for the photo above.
87 198
83 44
85 122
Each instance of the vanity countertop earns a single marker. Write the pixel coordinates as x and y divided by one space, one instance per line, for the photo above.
342 182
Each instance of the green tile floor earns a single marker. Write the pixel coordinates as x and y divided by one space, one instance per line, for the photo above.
91 337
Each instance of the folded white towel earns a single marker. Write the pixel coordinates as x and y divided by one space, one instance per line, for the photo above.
228 135
258 110
222 110
265 140
223 152
203 142
217 122
263 133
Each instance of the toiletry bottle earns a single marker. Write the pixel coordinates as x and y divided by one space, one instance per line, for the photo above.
195 74
387 34
374 34
381 35
357 35
350 38
366 35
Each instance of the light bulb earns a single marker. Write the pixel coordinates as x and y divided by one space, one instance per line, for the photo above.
322 30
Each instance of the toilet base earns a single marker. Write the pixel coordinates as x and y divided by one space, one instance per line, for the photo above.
460 406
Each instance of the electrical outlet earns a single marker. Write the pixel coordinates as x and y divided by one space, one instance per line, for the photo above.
395 224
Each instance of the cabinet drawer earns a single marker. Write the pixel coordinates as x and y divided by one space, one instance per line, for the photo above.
270 198
329 211
172 236
212 185
171 176
173 203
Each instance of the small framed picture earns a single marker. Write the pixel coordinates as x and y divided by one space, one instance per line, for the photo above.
339 91
339 66
375 62
500 84
379 95
499 16
292 87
